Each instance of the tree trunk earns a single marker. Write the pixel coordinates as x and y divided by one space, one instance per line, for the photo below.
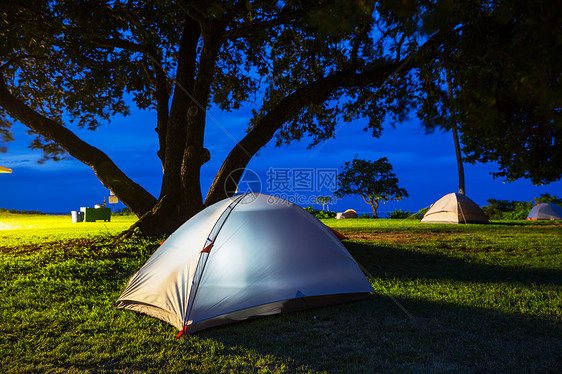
181 197
169 213
455 132
374 205
195 155
459 160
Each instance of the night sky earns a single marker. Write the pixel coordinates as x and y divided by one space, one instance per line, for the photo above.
424 164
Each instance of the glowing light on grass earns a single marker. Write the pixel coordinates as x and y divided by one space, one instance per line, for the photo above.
12 226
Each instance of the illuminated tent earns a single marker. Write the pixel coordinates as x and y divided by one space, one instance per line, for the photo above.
5 170
350 213
454 208
246 256
545 211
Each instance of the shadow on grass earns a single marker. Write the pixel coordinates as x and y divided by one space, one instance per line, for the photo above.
364 337
375 336
393 262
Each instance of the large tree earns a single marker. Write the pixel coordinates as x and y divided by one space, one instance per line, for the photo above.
308 65
374 181
504 62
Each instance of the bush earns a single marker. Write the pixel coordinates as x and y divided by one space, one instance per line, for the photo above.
398 214
124 212
420 213
515 210
507 209
320 214
2 210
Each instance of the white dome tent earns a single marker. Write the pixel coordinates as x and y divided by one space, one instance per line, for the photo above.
455 208
246 256
546 211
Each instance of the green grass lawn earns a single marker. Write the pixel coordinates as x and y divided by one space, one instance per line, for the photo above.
31 229
483 299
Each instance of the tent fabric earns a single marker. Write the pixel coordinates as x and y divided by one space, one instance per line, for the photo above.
455 208
246 256
545 211
338 234
350 213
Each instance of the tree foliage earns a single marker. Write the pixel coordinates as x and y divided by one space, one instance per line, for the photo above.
325 201
374 181
505 61
303 66
511 209
507 209
547 198
320 214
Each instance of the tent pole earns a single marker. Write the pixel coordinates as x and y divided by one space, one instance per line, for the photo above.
204 255
463 217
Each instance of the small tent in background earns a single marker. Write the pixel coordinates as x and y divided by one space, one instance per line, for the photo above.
5 170
246 256
350 213
455 208
545 211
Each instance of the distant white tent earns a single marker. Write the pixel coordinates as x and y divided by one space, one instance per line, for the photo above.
5 170
350 213
454 208
545 211
246 256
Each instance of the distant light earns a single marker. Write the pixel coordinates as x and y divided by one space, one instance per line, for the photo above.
5 170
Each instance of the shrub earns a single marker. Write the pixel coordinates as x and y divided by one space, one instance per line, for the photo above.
320 214
420 213
507 209
398 214
2 210
124 212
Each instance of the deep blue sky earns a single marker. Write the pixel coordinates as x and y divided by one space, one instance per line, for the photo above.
425 165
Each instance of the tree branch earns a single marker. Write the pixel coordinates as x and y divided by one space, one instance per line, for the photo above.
365 199
132 195
161 95
312 93
264 25
122 44
16 60
315 92
357 42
